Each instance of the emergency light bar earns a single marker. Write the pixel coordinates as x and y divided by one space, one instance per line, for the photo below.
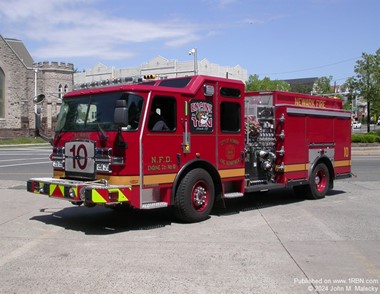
150 77
107 82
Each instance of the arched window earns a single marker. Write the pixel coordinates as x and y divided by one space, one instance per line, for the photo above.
60 93
2 94
66 89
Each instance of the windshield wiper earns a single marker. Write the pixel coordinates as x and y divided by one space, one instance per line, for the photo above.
103 136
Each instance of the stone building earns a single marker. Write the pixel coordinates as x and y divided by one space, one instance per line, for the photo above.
161 68
22 79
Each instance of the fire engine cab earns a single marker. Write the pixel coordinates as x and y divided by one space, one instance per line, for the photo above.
192 141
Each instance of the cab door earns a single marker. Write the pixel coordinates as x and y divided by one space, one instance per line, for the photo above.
201 125
230 136
160 143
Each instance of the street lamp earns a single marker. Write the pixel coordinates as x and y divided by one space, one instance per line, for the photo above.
194 52
36 99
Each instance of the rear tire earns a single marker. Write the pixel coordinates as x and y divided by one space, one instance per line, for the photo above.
195 196
319 182
318 186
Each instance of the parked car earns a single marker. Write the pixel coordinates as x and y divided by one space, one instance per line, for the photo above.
378 121
356 125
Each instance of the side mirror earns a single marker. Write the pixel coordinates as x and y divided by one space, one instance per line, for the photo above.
37 115
121 113
38 99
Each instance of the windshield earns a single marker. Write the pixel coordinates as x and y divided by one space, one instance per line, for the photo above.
94 112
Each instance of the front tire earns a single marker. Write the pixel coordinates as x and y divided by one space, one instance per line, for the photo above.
195 196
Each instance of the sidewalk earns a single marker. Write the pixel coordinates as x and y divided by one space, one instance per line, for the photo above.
365 149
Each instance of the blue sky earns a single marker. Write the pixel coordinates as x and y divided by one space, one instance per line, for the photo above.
281 39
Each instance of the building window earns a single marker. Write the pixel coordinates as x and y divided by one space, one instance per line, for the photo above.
60 92
66 89
2 94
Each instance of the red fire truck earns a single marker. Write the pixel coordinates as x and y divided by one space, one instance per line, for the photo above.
192 141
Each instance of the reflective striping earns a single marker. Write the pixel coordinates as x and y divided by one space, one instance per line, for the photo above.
169 178
159 179
296 167
56 190
292 167
342 163
75 191
59 188
96 197
121 196
102 195
122 180
230 173
62 189
52 189
305 166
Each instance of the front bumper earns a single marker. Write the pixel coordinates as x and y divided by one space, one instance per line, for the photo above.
96 192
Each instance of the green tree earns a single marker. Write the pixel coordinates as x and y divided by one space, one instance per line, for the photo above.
349 87
322 86
301 88
266 84
366 82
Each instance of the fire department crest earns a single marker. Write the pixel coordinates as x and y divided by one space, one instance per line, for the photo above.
201 116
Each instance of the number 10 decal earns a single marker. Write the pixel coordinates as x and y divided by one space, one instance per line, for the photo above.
79 155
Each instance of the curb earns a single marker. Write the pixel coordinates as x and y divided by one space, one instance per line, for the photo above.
365 149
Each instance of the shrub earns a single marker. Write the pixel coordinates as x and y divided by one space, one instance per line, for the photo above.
366 138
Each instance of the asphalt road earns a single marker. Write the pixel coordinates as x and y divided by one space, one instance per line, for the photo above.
267 243
21 163
363 129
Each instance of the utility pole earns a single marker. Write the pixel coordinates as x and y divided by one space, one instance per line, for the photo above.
368 98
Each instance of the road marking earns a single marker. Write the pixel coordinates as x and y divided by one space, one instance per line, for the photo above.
21 164
19 159
23 153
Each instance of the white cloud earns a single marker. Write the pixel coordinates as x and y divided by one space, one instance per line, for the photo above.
73 28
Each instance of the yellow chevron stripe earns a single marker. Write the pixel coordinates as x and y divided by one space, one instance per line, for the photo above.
52 188
62 189
97 198
121 196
